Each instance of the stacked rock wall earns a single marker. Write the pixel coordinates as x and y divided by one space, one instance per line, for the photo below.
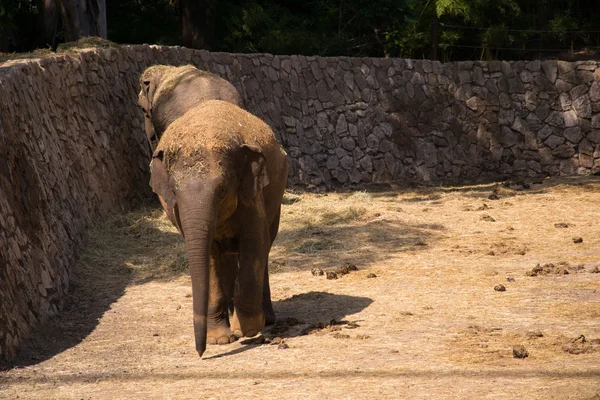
71 149
72 146
350 120
361 120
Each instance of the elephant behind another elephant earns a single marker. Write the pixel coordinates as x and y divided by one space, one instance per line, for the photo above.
220 175
168 92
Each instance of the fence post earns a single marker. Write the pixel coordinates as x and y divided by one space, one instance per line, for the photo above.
434 38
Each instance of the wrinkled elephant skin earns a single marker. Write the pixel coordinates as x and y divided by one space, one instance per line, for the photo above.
167 92
220 175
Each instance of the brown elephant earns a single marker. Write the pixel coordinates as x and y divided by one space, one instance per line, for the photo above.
167 92
220 175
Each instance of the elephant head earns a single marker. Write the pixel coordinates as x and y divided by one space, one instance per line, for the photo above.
168 92
220 176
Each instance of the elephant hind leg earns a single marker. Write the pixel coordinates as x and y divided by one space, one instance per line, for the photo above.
267 304
228 273
270 317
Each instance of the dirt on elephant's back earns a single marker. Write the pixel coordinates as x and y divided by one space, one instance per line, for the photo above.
410 311
216 124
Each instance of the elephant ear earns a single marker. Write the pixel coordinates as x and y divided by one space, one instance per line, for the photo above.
161 182
254 175
149 86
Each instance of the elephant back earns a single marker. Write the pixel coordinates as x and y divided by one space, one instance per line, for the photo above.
219 126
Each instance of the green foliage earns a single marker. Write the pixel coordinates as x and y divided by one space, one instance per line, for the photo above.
143 21
479 11
472 29
563 22
12 10
318 27
264 26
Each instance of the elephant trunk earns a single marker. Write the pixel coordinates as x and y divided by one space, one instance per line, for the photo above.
198 224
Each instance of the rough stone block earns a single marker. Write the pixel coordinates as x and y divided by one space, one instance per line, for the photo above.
555 119
573 134
507 69
583 107
554 141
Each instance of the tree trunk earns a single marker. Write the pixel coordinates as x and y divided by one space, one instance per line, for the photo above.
83 18
197 23
70 19
48 24
92 18
31 30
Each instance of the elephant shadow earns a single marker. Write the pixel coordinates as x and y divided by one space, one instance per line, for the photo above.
304 314
297 313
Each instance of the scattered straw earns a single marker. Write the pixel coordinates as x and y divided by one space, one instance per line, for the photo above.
142 244
63 48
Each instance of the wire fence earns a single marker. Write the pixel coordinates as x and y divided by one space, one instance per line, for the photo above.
526 41
490 28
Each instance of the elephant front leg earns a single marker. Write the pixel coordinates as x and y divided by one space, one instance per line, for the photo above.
218 330
249 317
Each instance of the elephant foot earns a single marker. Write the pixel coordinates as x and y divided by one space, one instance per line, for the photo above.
270 317
247 326
220 335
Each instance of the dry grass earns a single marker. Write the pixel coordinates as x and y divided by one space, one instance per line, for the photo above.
430 325
63 48
143 245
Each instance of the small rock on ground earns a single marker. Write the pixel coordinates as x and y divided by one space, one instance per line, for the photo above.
343 270
534 334
519 351
351 267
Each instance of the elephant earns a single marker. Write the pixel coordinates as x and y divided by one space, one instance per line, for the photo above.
167 92
220 175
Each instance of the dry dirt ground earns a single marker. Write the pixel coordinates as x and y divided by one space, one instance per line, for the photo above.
430 324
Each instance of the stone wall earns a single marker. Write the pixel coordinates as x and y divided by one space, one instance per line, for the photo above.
361 120
72 147
349 120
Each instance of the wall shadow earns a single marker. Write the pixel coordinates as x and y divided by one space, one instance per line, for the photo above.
507 186
84 306
112 252
524 186
478 188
